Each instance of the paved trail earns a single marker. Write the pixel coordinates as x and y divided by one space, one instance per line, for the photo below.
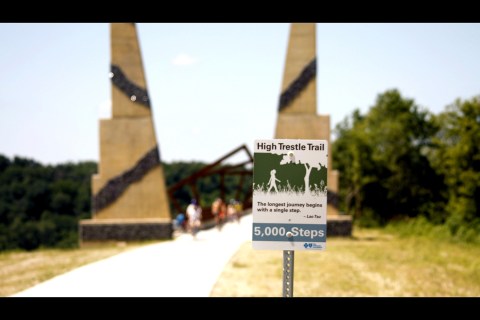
185 267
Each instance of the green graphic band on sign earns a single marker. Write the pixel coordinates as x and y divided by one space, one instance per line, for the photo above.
289 194
290 177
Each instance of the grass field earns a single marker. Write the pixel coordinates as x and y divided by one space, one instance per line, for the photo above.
20 270
372 263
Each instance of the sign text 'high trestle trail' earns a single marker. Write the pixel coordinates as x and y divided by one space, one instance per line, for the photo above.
290 194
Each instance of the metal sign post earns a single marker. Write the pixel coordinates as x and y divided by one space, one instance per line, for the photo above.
288 264
289 202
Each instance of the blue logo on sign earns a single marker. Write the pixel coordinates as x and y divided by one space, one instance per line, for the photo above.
308 245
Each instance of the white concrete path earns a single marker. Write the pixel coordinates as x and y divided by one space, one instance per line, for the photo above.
184 267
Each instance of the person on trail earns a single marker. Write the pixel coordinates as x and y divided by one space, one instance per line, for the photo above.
194 214
217 212
273 181
180 222
232 213
239 209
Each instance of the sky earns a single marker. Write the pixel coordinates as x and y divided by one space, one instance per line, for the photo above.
215 86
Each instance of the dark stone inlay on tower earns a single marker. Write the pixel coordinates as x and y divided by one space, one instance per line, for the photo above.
308 73
116 186
134 92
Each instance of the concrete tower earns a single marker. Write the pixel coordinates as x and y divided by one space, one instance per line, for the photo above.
129 198
297 109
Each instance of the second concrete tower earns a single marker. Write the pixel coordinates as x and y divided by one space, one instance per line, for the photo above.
297 108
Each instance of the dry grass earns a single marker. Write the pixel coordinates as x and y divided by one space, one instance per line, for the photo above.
20 270
372 263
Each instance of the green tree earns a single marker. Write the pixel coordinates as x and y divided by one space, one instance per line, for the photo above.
352 157
401 132
457 158
382 159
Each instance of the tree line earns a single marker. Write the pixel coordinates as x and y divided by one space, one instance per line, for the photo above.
396 161
400 161
40 205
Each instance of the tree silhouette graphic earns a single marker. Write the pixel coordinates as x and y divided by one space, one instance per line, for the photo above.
297 175
308 164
